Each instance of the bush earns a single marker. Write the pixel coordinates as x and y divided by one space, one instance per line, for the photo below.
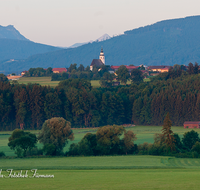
34 152
73 150
190 138
196 147
144 148
49 149
195 154
2 154
19 152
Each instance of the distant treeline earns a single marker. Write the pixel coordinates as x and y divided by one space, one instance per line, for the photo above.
72 72
176 92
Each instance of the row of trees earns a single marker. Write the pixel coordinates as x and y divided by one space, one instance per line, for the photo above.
80 72
38 72
108 140
57 131
75 100
54 135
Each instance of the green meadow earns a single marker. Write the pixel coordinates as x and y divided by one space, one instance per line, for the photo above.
45 81
143 134
103 172
112 172
172 179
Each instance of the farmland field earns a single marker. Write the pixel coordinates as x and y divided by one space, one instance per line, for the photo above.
45 81
104 172
108 172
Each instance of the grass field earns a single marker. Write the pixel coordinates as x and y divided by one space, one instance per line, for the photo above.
104 172
45 81
183 179
108 172
100 162
143 134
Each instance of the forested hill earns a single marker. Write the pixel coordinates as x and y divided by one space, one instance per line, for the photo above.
164 43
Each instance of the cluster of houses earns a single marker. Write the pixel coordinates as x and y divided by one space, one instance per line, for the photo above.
151 70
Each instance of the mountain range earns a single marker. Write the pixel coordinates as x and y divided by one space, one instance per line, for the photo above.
102 38
167 42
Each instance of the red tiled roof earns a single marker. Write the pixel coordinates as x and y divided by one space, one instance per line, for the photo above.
158 67
128 67
60 69
191 122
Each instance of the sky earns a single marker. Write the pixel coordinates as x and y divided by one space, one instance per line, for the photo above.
66 22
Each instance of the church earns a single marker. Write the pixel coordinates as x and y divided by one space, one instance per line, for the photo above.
98 62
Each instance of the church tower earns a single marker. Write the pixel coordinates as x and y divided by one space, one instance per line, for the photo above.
102 57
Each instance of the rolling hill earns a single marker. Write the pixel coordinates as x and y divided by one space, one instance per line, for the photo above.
167 42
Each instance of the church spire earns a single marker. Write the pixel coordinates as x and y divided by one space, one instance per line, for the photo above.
102 57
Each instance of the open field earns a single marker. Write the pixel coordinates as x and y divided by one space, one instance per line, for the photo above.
101 162
107 172
45 81
104 172
183 179
143 134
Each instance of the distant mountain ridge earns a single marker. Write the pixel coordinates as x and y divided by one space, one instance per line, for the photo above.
169 42
9 32
102 38
13 46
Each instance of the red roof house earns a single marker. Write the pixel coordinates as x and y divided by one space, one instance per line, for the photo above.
59 70
191 124
130 68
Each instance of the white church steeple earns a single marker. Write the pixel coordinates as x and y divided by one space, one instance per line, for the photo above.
102 57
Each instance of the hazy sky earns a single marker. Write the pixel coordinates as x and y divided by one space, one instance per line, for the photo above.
65 22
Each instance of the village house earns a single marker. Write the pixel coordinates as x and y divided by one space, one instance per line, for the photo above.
130 68
191 124
23 73
13 77
159 69
59 70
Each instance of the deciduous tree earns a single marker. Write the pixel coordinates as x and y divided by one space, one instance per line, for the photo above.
122 74
190 138
22 140
56 131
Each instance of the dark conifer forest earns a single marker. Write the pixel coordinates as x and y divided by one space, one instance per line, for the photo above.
144 103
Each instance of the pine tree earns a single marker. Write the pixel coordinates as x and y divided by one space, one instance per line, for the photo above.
168 133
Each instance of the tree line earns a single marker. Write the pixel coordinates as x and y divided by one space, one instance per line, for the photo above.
144 103
108 140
